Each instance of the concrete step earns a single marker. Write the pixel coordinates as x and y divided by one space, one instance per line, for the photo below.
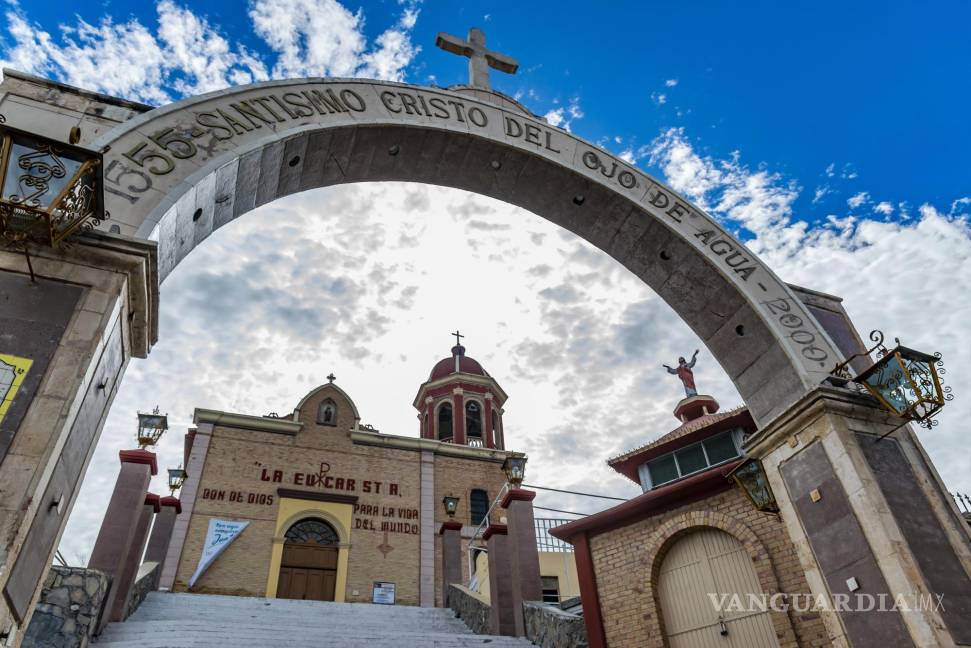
166 620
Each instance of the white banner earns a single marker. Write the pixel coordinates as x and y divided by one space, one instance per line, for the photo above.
219 536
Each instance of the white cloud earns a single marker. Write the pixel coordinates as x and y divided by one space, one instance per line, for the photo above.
858 199
820 193
564 116
187 55
659 98
884 208
670 83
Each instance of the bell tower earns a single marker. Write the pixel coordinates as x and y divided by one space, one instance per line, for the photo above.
461 403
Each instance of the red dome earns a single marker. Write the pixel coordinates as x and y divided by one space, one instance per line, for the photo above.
446 366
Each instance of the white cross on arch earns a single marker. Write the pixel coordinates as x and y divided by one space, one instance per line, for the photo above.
480 58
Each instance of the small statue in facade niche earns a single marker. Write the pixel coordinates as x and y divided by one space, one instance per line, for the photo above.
683 371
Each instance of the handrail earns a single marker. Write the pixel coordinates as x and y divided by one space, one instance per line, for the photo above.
478 532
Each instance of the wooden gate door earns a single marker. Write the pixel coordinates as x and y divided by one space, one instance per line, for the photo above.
308 571
713 562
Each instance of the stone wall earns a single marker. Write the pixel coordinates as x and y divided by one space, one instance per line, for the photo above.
144 583
70 603
470 608
548 626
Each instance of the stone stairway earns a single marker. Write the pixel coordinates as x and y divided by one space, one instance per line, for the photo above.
167 620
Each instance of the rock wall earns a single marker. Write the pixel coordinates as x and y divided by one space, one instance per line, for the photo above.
67 613
144 583
470 608
550 627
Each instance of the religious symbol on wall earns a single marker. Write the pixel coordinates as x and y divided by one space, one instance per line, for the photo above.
684 372
13 370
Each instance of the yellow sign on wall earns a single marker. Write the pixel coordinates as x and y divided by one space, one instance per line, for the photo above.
13 370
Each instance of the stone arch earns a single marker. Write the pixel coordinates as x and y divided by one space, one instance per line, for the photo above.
681 525
177 173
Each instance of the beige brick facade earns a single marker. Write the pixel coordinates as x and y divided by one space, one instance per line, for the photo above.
627 560
246 465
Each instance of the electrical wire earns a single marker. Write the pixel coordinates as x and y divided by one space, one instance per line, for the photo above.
547 488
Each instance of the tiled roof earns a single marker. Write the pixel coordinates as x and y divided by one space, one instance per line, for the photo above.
678 432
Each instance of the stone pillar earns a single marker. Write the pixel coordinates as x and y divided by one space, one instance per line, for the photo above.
518 503
869 517
458 416
117 540
158 542
451 532
72 330
502 601
129 571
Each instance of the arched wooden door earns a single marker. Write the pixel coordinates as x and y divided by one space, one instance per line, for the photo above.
308 569
713 562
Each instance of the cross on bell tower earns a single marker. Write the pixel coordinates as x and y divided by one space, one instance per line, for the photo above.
480 58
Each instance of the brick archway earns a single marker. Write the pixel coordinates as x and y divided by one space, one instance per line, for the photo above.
678 527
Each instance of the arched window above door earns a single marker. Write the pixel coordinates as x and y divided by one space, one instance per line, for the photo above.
327 412
478 505
312 531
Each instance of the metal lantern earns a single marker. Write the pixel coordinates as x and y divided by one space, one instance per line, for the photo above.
905 381
49 190
751 477
515 469
177 477
151 427
451 505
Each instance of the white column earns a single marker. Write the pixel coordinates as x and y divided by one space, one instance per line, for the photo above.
426 570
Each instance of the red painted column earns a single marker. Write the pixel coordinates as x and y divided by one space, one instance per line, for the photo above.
116 539
158 542
129 572
589 596
502 602
451 532
458 419
487 423
527 586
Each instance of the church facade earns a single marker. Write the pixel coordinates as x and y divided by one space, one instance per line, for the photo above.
335 508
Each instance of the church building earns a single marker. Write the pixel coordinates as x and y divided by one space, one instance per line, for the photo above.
331 508
648 567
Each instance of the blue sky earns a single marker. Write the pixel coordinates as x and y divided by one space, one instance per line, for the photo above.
834 140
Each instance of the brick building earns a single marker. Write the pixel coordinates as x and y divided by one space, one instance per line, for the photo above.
334 506
647 567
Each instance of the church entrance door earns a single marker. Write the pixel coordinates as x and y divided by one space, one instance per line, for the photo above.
308 569
700 571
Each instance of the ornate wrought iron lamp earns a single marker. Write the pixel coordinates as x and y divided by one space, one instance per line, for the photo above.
515 469
451 504
177 477
151 427
906 382
751 478
50 190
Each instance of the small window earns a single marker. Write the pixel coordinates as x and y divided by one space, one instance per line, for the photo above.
473 420
691 460
720 448
478 505
551 589
687 461
327 412
445 422
663 470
